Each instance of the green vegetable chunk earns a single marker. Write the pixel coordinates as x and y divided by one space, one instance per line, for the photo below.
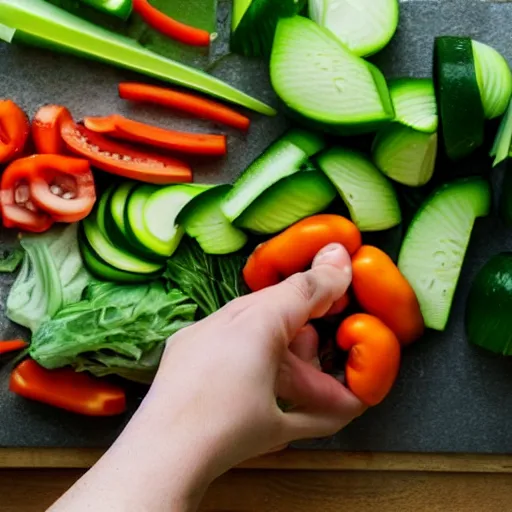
120 8
320 79
10 260
114 330
52 276
38 23
364 26
488 318
435 245
503 141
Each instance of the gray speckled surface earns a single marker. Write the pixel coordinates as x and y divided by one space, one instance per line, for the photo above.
449 398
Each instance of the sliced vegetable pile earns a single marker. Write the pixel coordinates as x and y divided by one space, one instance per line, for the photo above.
152 251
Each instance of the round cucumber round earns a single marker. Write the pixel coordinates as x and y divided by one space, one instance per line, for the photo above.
414 101
288 201
364 26
436 243
460 104
369 196
488 318
405 155
321 79
117 206
494 79
202 219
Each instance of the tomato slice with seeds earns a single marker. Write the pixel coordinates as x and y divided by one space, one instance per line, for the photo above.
62 186
14 130
46 129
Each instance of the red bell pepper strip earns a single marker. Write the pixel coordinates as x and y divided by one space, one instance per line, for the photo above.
169 26
126 129
8 346
122 160
16 204
46 129
64 388
14 130
184 102
61 186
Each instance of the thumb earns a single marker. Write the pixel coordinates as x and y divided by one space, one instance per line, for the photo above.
308 295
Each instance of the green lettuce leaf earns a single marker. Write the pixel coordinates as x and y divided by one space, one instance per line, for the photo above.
10 260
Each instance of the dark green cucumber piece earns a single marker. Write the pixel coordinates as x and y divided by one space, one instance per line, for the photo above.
321 79
436 242
364 26
254 24
414 101
288 201
117 207
494 79
405 155
310 142
202 219
283 158
503 141
369 196
101 210
115 256
460 104
489 306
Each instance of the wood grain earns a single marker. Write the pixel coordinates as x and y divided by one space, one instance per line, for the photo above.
289 459
292 491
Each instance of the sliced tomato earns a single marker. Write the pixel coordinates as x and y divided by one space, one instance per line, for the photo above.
121 159
46 129
172 140
14 130
62 186
18 209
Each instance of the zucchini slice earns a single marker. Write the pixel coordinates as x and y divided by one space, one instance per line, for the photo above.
460 103
414 101
364 26
494 79
488 319
321 79
202 219
369 196
503 141
254 24
291 199
436 243
405 155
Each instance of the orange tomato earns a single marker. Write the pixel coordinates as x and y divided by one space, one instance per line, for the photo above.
383 291
374 357
294 249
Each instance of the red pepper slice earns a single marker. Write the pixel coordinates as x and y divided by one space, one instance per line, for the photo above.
17 206
122 160
169 26
64 388
126 129
61 186
14 130
9 346
46 129
184 102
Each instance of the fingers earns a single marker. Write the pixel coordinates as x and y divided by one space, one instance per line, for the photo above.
305 345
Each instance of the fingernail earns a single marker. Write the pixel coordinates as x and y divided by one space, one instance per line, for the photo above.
330 253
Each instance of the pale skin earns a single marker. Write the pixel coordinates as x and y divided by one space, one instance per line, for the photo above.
213 403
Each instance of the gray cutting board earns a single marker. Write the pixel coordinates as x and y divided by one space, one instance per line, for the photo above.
449 398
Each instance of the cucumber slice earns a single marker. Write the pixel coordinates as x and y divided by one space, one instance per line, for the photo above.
151 216
405 155
117 207
280 160
494 79
414 101
460 104
254 30
364 26
318 77
291 199
369 196
503 141
102 210
113 255
488 319
105 272
435 245
311 143
203 220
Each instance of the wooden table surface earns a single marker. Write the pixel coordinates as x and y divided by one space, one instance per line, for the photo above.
30 480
